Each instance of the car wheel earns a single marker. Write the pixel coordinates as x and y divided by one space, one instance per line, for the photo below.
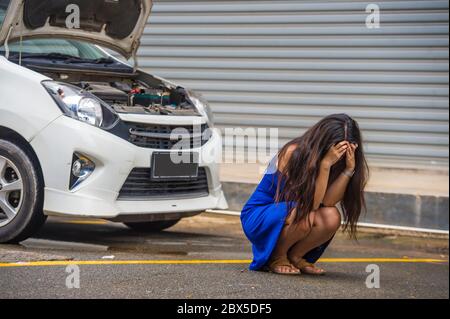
21 194
152 226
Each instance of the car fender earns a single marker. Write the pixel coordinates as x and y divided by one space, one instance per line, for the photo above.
25 105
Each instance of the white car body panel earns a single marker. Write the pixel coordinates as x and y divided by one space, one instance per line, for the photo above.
28 113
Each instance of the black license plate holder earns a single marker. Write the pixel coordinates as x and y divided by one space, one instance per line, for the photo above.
164 168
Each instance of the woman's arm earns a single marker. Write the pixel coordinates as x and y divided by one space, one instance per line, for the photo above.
321 185
333 156
336 191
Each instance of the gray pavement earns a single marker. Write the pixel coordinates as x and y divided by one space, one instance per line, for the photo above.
207 257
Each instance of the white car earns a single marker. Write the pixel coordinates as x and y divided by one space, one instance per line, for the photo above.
85 135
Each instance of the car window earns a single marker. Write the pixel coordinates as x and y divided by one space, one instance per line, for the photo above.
3 7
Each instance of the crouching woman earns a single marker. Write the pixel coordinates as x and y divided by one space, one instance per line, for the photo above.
292 217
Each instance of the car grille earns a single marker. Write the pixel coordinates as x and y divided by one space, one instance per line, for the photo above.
160 137
139 186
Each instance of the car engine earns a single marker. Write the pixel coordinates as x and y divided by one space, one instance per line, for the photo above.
137 97
137 94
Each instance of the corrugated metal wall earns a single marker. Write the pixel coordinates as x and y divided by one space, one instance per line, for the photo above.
286 64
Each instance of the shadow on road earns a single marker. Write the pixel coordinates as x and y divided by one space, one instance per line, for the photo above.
117 237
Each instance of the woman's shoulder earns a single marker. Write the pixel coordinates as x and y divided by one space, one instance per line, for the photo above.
280 160
272 168
283 160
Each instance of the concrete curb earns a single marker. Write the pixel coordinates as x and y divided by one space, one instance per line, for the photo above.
402 210
374 228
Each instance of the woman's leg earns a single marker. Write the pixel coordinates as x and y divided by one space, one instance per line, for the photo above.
314 255
290 235
327 221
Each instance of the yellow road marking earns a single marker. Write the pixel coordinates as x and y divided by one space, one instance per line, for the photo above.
206 262
381 260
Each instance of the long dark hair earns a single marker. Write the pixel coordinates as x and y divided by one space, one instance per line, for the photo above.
302 168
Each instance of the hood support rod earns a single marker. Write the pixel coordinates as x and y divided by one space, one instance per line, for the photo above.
6 42
135 61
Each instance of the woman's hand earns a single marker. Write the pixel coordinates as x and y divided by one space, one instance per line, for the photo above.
350 157
334 154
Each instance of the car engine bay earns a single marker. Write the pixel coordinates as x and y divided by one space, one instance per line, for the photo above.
139 93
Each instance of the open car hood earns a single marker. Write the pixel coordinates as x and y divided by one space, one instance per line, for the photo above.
115 24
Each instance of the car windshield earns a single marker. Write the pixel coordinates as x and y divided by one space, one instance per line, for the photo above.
64 47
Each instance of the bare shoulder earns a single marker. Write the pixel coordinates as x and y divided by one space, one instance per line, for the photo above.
282 162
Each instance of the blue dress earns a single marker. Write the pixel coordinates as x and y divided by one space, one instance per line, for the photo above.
263 220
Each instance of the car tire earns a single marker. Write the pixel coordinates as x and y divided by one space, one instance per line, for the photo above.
22 193
152 227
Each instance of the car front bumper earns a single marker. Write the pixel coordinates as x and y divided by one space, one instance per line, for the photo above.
114 159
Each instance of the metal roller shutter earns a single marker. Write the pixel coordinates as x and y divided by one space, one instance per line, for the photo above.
286 64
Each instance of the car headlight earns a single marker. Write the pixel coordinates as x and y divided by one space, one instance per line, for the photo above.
81 105
202 107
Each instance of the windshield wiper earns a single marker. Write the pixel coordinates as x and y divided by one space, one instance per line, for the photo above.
103 61
52 56
66 58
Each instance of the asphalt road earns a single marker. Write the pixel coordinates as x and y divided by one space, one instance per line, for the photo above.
207 257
